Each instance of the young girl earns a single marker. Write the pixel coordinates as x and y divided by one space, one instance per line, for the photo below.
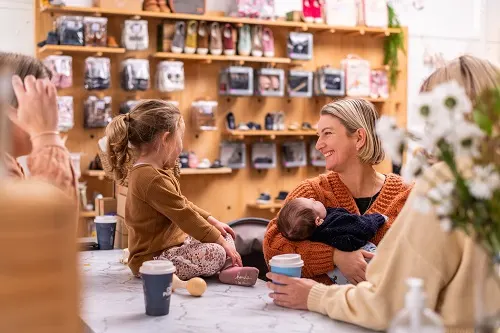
162 223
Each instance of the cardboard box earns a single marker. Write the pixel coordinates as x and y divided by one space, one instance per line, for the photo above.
121 235
123 5
105 206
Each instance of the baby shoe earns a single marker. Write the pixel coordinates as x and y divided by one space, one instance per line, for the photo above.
192 160
307 11
268 42
306 126
191 36
293 126
316 10
112 42
243 127
202 38
228 40
257 41
230 121
184 159
179 37
281 196
275 83
245 41
264 198
163 6
240 276
151 6
204 164
216 165
268 122
215 39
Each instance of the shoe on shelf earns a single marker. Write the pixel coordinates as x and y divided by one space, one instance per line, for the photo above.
215 39
179 37
243 127
268 43
228 40
112 42
268 122
184 160
192 160
191 37
306 126
281 196
152 6
307 14
216 164
257 41
96 164
163 6
317 10
230 121
294 126
202 38
245 40
264 199
204 164
280 121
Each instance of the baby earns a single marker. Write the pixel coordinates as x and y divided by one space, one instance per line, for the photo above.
308 219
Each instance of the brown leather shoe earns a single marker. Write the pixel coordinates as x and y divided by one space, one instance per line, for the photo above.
163 6
151 6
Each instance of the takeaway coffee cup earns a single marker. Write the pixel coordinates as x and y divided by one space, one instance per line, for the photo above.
105 227
157 284
287 264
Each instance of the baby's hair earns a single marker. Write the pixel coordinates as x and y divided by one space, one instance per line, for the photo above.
296 222
129 133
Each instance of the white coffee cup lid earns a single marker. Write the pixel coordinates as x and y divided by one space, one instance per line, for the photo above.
105 219
287 260
157 267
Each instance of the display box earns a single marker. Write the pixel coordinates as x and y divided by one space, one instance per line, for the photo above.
124 5
270 82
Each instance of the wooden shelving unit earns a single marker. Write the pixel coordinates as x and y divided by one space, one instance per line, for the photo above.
211 171
271 134
80 49
209 58
272 206
85 214
225 19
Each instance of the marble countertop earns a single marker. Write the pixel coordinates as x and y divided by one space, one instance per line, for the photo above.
113 302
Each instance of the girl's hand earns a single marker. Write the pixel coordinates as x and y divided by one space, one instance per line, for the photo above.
352 264
37 105
291 292
230 252
222 227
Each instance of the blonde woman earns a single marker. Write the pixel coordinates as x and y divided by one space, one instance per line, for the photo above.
415 247
351 147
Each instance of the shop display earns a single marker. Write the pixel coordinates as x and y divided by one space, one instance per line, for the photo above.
96 31
70 30
312 11
300 46
262 9
329 82
274 121
317 158
228 39
166 33
97 112
191 41
215 39
341 12
135 74
257 48
270 82
179 37
300 83
233 154
357 76
264 155
135 36
203 38
244 40
170 76
187 6
97 73
203 115
375 13
236 81
65 112
62 70
294 154
127 106
379 84
230 121
268 42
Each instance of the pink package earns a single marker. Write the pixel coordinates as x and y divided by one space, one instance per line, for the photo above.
375 13
357 76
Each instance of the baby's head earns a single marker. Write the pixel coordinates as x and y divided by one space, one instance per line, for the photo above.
299 218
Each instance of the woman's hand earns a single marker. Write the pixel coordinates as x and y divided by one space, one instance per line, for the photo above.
37 110
293 292
352 264
222 227
230 252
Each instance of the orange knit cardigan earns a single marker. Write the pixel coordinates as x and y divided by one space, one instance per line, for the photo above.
329 189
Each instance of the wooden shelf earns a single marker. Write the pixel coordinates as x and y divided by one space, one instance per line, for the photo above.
86 240
254 133
95 173
85 214
79 49
225 19
211 171
272 206
369 99
209 58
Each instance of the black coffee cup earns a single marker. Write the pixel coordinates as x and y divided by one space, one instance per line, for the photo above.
157 284
105 227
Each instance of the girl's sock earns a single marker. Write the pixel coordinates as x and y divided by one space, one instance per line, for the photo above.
240 276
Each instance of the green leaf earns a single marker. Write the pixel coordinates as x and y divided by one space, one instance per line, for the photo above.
483 121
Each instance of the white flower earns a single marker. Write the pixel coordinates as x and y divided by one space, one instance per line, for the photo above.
446 224
413 168
441 192
466 139
422 204
452 97
484 182
444 207
392 137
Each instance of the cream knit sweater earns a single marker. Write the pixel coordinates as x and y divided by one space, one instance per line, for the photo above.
415 246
